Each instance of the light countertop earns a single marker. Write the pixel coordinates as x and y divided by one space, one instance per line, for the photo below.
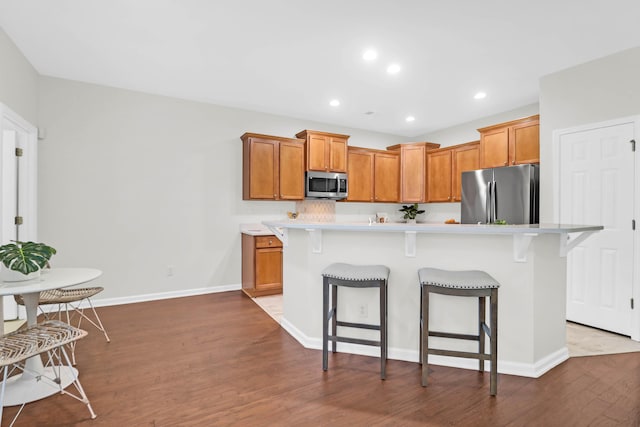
435 227
255 230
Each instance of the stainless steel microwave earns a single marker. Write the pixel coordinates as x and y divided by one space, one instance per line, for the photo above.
326 185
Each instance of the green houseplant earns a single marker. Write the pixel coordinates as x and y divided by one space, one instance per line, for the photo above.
411 211
27 258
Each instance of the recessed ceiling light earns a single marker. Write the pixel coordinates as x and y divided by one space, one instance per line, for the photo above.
334 103
368 113
480 95
410 118
393 69
369 55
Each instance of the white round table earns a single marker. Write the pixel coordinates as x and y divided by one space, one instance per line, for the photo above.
27 387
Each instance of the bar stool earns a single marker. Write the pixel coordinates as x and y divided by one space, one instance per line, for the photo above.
353 276
471 283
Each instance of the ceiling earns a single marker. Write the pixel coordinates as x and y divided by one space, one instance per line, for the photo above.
291 57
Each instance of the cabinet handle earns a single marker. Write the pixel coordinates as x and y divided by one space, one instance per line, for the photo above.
270 242
506 163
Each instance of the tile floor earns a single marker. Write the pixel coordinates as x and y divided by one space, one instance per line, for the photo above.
581 340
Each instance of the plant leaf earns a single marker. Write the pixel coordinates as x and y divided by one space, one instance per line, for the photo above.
26 257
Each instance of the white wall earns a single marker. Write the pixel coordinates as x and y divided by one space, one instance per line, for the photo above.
599 90
132 183
18 80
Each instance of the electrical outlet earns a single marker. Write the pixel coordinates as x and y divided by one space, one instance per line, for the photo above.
363 311
170 270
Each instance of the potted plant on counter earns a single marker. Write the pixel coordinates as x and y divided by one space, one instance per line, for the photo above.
410 212
24 260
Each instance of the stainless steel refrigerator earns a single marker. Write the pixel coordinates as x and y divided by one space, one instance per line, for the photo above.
501 194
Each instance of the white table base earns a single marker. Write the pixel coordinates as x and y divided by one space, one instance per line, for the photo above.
26 387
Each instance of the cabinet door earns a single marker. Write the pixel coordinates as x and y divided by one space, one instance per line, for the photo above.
494 148
386 177
263 158
524 143
439 176
412 174
291 176
360 172
337 154
466 158
317 153
268 268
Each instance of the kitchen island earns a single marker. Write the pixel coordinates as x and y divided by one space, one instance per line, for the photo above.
528 260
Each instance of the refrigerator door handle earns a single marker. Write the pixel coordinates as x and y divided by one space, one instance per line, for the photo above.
488 203
494 203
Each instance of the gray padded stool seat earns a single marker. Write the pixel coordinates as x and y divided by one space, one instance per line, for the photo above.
353 276
470 283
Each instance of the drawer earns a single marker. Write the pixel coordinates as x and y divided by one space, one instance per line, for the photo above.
268 242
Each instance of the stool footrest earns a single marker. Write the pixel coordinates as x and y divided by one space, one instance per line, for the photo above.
455 353
354 340
358 325
454 335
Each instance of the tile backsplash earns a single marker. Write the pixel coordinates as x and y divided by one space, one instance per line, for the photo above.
317 210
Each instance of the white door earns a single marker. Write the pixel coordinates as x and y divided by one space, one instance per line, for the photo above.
597 187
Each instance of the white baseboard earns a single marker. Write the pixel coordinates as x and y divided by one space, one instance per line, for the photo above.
531 370
105 302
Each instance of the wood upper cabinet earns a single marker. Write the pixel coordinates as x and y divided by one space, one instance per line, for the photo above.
413 170
511 143
465 157
386 177
373 175
291 170
326 152
272 167
261 265
360 172
439 169
445 167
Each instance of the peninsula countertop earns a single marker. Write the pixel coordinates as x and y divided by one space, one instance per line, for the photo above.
570 235
434 227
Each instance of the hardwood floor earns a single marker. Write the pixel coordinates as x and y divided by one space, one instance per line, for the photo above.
219 360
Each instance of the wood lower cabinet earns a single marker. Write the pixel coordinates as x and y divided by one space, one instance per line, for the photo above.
325 152
261 265
511 143
272 167
445 167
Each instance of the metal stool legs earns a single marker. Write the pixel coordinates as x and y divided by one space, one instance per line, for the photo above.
491 332
476 284
329 312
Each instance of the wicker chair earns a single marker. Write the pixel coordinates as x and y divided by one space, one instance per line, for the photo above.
70 300
48 337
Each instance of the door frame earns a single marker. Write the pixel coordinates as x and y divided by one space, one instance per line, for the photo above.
556 135
27 139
